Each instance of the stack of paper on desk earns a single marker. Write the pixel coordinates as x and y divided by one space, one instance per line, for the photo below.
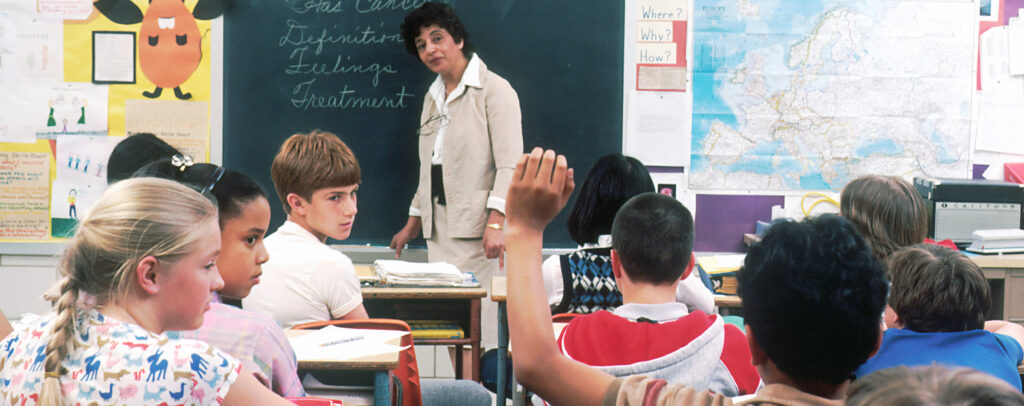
996 241
395 272
333 343
721 263
722 271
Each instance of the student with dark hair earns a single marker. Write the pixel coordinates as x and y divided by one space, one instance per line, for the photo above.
812 292
244 216
933 385
651 333
887 211
582 281
936 313
134 152
470 134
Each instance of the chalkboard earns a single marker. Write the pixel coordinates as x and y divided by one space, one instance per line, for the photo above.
563 57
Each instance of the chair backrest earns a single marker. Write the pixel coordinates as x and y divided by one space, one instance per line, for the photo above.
563 317
408 373
311 401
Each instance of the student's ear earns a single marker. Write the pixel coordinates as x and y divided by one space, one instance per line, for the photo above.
616 266
146 275
757 355
689 267
296 203
890 318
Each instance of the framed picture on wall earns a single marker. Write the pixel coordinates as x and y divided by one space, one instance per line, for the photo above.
113 57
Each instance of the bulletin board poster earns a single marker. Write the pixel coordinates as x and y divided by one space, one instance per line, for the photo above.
167 74
661 45
25 174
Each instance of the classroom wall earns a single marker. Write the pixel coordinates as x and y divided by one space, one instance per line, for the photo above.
28 268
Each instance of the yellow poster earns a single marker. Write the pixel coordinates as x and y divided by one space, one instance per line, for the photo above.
172 56
25 173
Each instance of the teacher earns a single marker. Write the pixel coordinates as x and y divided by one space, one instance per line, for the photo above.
470 136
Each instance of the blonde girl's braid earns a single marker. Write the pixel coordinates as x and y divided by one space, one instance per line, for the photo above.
61 341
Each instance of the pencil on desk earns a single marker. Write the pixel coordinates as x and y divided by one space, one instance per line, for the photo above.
342 341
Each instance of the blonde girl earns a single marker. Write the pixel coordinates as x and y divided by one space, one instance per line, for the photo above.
142 262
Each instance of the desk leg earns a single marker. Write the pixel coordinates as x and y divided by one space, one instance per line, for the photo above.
460 372
502 351
382 388
474 331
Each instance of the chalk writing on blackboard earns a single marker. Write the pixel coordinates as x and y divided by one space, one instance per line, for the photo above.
320 48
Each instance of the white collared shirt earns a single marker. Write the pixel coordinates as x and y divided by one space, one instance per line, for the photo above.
470 77
691 290
660 312
305 280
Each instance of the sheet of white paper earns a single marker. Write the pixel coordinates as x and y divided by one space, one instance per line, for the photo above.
113 57
65 9
654 31
64 194
8 49
38 51
1015 44
658 128
657 53
13 125
67 109
82 161
372 342
999 120
663 9
994 63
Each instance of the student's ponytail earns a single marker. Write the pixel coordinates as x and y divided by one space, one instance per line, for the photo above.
61 341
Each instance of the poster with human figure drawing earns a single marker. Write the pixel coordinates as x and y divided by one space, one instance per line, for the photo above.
81 178
69 109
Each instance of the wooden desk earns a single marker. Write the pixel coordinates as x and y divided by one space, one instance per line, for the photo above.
729 305
1005 274
461 305
380 365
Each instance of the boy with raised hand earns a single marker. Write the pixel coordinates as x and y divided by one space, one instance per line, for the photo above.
316 177
651 333
936 314
812 294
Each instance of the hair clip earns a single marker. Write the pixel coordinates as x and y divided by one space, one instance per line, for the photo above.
214 178
181 162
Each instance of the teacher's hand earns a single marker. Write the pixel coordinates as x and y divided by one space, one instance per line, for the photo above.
494 237
410 231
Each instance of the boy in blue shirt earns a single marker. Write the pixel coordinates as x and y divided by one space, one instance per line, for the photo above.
936 314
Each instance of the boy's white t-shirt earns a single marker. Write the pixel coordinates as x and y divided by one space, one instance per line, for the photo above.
304 281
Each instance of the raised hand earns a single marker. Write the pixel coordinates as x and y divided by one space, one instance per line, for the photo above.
541 186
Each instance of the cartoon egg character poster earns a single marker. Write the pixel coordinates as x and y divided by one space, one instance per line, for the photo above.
172 49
